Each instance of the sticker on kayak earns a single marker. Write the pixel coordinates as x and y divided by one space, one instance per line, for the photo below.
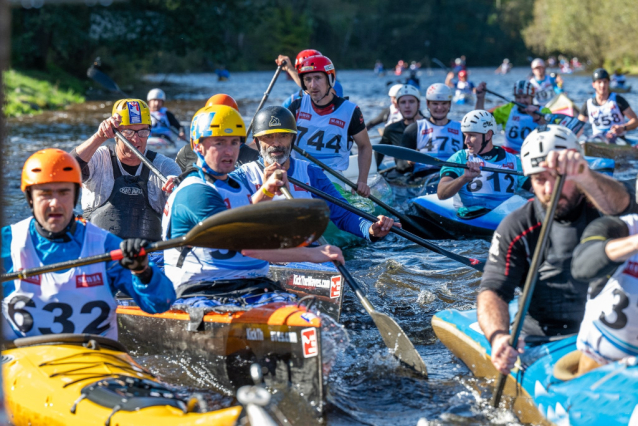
309 342
6 358
254 334
134 112
310 282
335 287
308 316
283 336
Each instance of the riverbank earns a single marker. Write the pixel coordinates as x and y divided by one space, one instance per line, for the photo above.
30 93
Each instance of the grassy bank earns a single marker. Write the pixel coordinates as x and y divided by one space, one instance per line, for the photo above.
33 92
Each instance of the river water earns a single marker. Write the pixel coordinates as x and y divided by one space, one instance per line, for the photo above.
406 281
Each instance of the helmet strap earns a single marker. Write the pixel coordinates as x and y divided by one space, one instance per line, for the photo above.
205 167
483 145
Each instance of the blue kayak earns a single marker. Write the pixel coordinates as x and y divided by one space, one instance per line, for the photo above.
544 390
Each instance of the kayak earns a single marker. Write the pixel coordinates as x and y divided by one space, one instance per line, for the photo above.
463 98
543 381
82 379
620 151
626 89
441 219
561 104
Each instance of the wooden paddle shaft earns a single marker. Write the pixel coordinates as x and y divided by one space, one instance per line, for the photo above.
265 97
530 281
140 155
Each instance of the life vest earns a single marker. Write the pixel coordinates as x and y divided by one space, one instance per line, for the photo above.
464 88
394 116
204 264
325 137
602 117
78 300
544 90
438 141
519 125
161 127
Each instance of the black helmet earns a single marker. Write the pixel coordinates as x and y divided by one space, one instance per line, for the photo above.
599 74
274 119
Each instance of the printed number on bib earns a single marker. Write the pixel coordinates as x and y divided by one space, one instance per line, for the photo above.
514 133
545 94
441 141
606 120
316 140
62 313
621 318
477 184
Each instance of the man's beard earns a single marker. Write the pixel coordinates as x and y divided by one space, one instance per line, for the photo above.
282 154
563 210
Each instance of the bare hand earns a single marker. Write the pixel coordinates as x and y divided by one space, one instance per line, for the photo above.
480 90
363 189
503 355
473 171
569 163
271 183
328 253
281 59
169 186
106 129
382 228
617 130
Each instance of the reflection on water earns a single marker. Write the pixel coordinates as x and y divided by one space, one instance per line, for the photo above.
366 385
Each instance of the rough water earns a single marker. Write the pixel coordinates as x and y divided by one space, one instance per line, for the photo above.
366 385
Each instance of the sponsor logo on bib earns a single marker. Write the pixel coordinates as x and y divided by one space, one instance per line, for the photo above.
131 190
227 202
134 112
508 166
337 122
453 131
92 280
304 116
631 269
427 131
335 287
298 188
309 342
32 280
516 118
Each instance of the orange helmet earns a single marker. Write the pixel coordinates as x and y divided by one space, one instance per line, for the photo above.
221 99
50 165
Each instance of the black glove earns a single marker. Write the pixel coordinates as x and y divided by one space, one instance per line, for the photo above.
130 249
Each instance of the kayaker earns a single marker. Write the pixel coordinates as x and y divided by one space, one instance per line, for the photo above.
437 135
504 68
78 300
336 89
275 129
618 79
389 114
120 194
463 87
479 191
216 135
328 123
558 301
186 158
518 123
609 331
409 103
607 112
545 87
164 123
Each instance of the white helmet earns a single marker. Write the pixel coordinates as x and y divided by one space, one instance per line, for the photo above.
538 62
156 94
394 89
524 87
408 89
541 141
439 92
478 121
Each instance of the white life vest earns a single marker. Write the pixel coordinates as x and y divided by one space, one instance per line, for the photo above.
160 124
78 300
544 90
613 313
325 137
300 172
394 116
438 141
489 189
204 264
602 117
519 125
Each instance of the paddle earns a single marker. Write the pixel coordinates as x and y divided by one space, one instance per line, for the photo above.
572 123
441 64
393 336
518 104
471 262
258 227
139 155
530 281
419 157
266 94
343 179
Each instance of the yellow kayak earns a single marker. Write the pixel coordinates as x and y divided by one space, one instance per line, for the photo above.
80 379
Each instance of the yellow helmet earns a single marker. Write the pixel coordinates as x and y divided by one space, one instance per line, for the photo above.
132 111
217 120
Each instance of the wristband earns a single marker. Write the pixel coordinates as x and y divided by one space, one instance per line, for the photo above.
624 128
495 334
266 192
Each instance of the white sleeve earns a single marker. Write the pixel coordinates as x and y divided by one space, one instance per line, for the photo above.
97 188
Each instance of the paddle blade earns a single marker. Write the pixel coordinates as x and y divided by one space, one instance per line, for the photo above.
407 154
103 79
263 226
396 340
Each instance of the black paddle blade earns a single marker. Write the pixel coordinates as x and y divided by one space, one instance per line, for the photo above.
103 79
397 341
407 154
269 225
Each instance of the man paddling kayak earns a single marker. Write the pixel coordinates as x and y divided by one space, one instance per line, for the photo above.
216 135
545 87
120 193
518 123
558 301
328 123
163 120
78 300
607 112
463 88
275 129
409 102
479 190
437 136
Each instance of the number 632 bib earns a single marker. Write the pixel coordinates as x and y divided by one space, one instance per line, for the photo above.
75 301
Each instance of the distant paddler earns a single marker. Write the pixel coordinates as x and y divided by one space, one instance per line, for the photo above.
275 130
517 122
545 87
390 114
463 88
607 112
121 194
214 186
504 68
165 125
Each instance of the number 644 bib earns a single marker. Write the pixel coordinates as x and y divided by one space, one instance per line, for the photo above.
76 301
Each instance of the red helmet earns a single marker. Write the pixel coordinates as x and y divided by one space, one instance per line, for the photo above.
318 64
305 54
462 73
